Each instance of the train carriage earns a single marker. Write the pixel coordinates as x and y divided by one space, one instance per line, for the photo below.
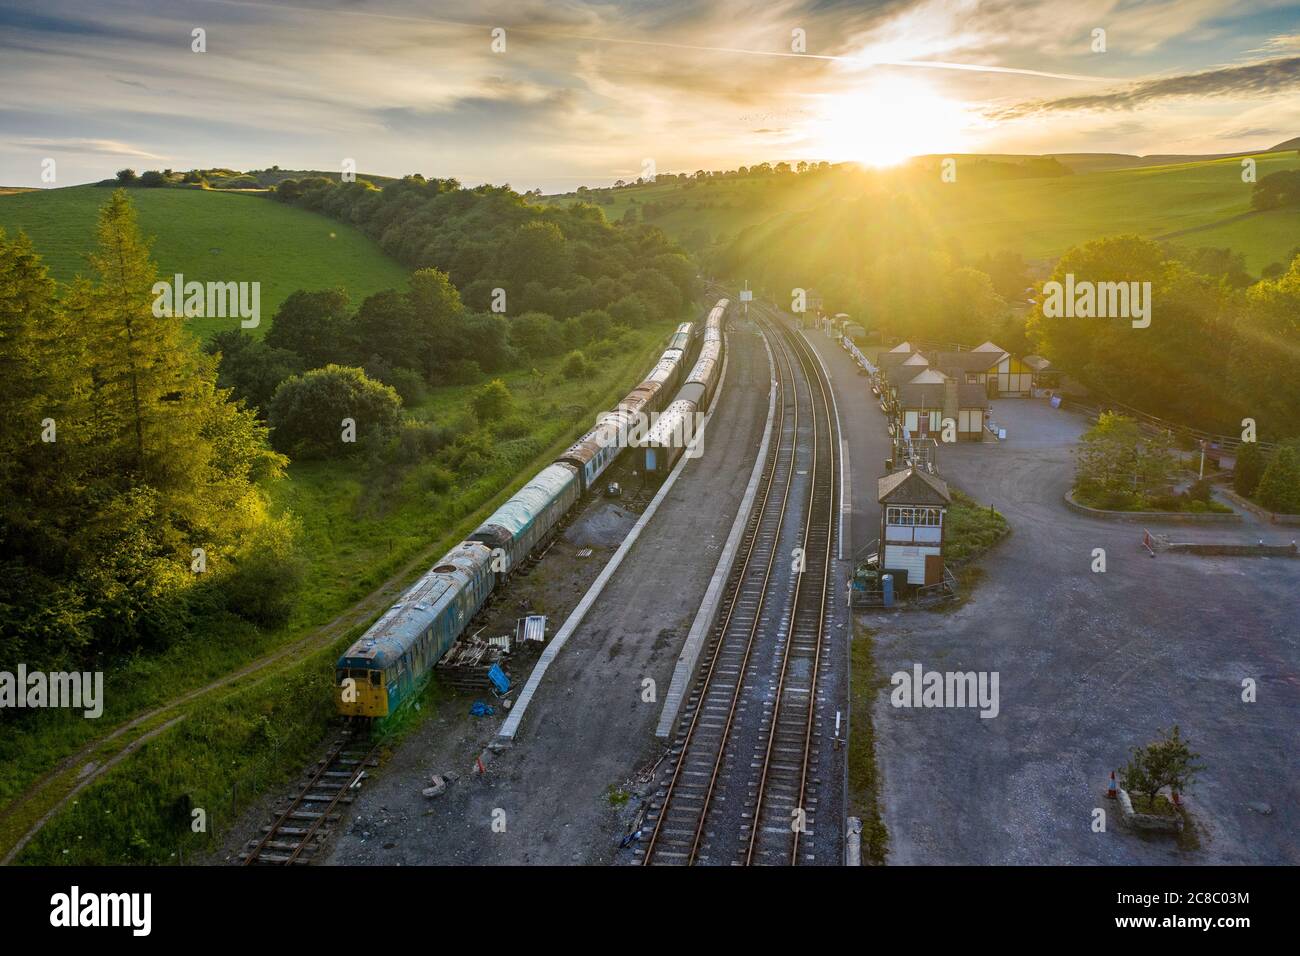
523 521
666 441
389 664
595 451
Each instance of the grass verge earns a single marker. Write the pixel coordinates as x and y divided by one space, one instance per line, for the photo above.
971 529
864 775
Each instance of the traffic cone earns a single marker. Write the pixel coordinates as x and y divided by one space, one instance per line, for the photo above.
1111 792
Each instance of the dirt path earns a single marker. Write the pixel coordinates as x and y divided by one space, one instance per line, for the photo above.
29 802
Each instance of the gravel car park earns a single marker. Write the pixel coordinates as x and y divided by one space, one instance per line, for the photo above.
1091 664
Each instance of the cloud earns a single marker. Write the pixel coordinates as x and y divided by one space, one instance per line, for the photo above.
97 147
1252 80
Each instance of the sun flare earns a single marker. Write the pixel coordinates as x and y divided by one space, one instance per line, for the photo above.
886 122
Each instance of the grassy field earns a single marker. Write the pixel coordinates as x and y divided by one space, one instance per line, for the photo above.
362 524
211 236
1040 218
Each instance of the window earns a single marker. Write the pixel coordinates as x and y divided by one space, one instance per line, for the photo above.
914 517
374 678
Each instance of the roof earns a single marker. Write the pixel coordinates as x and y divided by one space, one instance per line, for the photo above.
914 488
966 361
916 358
518 512
1037 362
925 395
421 604
931 376
893 358
988 347
903 347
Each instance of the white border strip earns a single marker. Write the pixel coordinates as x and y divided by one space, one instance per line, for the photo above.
703 622
510 729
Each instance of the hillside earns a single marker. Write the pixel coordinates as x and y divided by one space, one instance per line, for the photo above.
209 235
1040 218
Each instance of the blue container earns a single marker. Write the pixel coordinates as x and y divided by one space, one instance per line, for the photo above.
887 585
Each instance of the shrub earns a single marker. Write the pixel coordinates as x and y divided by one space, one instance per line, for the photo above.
308 412
1279 489
463 372
439 479
408 382
153 179
575 366
417 441
1165 762
1248 469
470 455
268 574
493 401
127 177
516 426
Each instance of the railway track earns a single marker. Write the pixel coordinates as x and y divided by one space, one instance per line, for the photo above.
300 829
753 711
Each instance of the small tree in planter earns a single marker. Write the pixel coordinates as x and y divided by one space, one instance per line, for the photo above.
1165 762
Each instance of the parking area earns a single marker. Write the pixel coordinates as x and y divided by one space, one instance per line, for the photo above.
1091 664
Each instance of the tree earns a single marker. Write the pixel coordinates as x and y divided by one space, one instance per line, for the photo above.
310 413
152 179
1261 367
147 377
151 460
536 335
317 326
250 367
536 252
594 323
1116 465
1279 489
1247 469
630 310
1276 189
972 306
493 401
1165 762
126 177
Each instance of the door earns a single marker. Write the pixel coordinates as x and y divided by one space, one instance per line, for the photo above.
933 568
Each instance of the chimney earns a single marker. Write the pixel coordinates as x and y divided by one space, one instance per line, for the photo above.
950 403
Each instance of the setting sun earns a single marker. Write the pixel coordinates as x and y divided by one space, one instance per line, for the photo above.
886 122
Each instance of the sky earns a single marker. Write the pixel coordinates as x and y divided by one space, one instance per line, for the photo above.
587 93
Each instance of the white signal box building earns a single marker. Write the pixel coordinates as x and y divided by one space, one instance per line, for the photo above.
913 508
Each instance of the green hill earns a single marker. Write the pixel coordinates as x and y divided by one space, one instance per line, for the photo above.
1196 203
211 236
